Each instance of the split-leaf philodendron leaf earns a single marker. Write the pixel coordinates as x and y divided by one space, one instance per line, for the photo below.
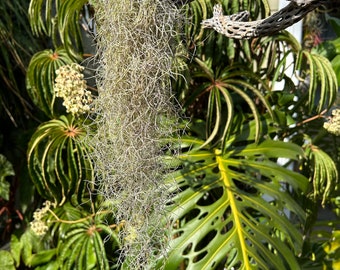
236 210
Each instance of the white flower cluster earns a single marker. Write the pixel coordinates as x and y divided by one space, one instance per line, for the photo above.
71 86
333 125
38 226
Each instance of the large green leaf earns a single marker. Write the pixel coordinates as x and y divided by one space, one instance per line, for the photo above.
334 22
58 160
336 66
236 209
206 44
28 247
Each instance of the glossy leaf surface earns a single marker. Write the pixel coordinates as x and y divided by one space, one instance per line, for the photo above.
236 209
57 160
59 20
40 78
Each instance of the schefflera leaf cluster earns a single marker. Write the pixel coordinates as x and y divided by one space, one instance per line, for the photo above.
58 160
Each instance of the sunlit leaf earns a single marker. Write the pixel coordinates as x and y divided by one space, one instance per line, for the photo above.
69 26
235 209
6 260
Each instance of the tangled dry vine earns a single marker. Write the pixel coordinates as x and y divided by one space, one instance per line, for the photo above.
236 26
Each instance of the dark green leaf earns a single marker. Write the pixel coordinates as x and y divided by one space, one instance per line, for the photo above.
6 169
335 23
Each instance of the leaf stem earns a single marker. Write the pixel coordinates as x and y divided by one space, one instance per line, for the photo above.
78 220
320 115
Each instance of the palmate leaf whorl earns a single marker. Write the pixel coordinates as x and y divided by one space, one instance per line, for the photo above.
60 21
58 161
41 73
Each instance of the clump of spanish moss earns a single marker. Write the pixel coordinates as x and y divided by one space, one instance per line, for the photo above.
135 112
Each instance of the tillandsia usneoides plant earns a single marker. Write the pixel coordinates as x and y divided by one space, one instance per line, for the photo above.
135 112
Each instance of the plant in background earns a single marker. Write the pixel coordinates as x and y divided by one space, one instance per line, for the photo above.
18 116
77 230
60 22
17 47
235 207
253 167
74 240
6 169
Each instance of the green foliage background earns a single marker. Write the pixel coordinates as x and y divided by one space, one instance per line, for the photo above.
245 183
